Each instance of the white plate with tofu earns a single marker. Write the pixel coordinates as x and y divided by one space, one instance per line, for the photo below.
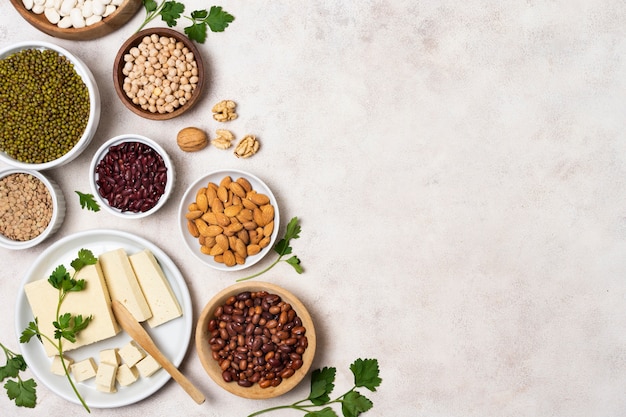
150 282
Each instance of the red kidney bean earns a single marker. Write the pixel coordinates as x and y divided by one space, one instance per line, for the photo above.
131 176
257 338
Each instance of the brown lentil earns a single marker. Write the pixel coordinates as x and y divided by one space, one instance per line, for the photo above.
25 207
44 105
250 352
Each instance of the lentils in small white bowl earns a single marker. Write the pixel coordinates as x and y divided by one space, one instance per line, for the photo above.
49 105
132 176
32 208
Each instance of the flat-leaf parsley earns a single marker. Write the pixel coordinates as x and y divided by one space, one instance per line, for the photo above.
170 11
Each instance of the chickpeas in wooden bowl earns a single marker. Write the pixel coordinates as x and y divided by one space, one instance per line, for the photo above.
256 340
158 73
77 19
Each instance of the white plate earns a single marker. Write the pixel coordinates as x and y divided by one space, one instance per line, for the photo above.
190 196
172 337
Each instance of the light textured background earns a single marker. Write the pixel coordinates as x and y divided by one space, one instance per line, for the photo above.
458 168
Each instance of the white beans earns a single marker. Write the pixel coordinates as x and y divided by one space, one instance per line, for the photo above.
161 74
73 13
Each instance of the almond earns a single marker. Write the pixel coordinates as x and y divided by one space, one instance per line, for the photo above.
232 211
229 258
258 198
253 249
267 212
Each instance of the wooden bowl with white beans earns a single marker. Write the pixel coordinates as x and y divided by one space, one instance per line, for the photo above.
77 19
158 73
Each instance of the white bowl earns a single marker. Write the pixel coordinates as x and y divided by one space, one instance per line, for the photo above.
94 106
94 176
190 196
58 210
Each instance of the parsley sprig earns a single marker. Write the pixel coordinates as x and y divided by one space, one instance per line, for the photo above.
353 403
87 201
283 248
67 326
170 11
21 391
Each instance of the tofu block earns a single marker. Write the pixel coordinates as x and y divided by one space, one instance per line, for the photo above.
155 287
84 370
131 354
126 375
105 377
147 366
94 300
122 283
109 356
57 367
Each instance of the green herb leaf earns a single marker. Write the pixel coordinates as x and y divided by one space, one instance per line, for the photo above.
87 201
23 392
58 277
85 257
196 32
218 19
295 262
13 367
150 5
322 384
324 412
29 332
292 232
171 12
354 404
366 373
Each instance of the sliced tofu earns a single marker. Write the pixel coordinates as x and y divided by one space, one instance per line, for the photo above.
155 287
84 370
126 375
110 356
105 377
57 367
93 301
147 366
131 354
122 283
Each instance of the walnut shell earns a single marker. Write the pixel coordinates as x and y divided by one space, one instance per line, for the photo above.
192 139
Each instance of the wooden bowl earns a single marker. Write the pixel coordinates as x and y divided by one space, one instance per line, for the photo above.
109 24
203 335
119 77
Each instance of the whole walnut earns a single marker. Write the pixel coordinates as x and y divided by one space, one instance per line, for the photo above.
192 139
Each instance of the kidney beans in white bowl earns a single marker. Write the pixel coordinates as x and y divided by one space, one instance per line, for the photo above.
131 176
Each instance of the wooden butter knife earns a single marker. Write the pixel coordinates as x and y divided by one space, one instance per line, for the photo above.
139 335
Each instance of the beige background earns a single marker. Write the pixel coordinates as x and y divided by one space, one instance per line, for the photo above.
458 168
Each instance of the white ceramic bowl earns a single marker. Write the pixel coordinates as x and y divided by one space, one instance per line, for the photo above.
94 106
190 196
58 210
94 176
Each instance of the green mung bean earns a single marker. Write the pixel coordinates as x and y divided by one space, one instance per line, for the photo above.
44 105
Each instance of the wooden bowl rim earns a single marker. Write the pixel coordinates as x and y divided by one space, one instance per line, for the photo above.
118 76
210 365
114 21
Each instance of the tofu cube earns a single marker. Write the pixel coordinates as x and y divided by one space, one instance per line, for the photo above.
105 377
147 366
57 367
131 354
110 356
84 370
126 375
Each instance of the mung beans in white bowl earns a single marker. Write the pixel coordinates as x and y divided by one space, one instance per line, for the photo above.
50 108
32 208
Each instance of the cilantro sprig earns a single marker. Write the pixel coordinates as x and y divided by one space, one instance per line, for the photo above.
353 403
87 201
66 326
170 11
283 248
21 391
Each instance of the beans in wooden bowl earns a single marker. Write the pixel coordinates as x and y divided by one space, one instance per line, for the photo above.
256 340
